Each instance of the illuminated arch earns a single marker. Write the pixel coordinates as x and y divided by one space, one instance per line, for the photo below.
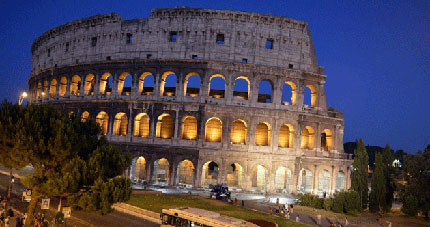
263 134
239 83
45 89
260 177
213 130
141 125
220 93
89 84
106 84
324 181
305 182
327 140
189 128
164 127
185 173
313 96
103 119
123 80
283 180
75 85
193 89
340 181
265 91
287 97
39 90
210 173
168 91
161 172
286 136
140 172
235 176
308 138
239 131
144 80
53 88
120 124
63 86
85 116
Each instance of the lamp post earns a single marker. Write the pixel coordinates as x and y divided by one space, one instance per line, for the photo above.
21 97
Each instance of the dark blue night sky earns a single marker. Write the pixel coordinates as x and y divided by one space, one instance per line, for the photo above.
376 54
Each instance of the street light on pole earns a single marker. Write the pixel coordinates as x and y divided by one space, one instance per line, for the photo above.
21 97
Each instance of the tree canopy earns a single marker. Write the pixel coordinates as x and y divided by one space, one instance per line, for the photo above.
360 173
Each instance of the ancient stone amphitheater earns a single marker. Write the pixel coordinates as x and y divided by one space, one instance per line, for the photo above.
200 97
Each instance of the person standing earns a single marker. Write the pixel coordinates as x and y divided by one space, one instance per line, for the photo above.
346 222
319 219
243 203
298 218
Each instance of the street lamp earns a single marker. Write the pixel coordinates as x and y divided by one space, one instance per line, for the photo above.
21 97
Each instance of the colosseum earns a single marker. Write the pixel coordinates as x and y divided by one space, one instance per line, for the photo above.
200 97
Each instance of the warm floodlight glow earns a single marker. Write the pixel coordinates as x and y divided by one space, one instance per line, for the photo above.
21 97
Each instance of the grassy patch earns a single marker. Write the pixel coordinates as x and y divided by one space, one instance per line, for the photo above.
158 202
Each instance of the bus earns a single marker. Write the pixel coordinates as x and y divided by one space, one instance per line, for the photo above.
194 217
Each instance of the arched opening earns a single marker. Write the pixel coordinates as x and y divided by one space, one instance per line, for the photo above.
324 182
308 138
286 136
340 181
106 84
185 173
305 183
39 90
217 86
146 83
283 180
189 128
140 172
63 86
238 132
164 127
85 116
263 134
327 140
235 176
103 119
192 85
53 88
168 84
242 88
90 82
260 176
120 124
209 174
124 84
75 85
213 130
45 89
141 125
289 93
310 96
265 91
161 172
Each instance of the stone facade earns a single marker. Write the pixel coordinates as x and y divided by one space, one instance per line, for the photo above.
257 142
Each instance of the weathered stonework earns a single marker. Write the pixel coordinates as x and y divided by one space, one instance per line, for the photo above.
71 63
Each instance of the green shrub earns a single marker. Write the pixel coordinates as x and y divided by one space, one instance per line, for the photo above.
338 202
352 202
328 204
310 200
410 206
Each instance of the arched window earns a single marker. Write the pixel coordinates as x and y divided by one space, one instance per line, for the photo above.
146 83
63 86
265 91
45 89
217 86
168 84
124 84
185 173
39 90
53 88
242 88
189 128
263 134
340 181
286 136
106 84
238 132
283 180
289 93
141 125
235 176
305 184
260 176
213 130
161 172
324 181
310 96
164 126
102 119
308 138
140 172
89 84
192 85
327 140
75 85
209 174
85 116
120 124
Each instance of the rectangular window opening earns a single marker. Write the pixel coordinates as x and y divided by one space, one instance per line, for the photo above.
148 56
195 57
269 44
244 60
220 38
129 38
67 47
49 52
108 58
290 66
173 36
93 41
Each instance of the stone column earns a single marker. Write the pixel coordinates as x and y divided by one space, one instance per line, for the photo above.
318 137
68 86
277 93
332 180
157 78
314 183
115 78
179 93
149 168
300 94
176 131
134 85
110 124
172 171
82 89
130 127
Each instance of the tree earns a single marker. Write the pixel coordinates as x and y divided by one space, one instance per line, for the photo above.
415 194
12 141
68 156
360 174
377 193
387 161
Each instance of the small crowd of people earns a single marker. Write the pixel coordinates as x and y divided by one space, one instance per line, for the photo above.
7 214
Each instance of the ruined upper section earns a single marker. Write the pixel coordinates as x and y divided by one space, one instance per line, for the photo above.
180 33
